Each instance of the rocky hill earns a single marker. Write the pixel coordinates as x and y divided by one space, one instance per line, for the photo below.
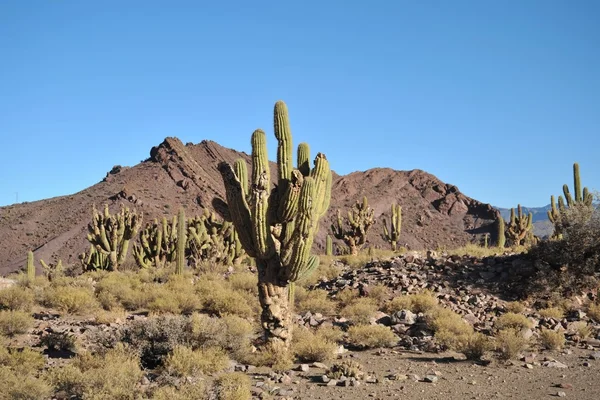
435 214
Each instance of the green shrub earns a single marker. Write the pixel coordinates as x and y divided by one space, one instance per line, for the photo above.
310 347
552 340
360 311
16 298
513 321
316 301
23 387
184 361
233 386
15 322
369 336
510 342
71 299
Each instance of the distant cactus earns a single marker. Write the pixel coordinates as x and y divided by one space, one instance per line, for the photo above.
157 247
213 240
359 221
583 200
519 226
109 237
52 270
392 235
180 259
329 246
30 267
277 226
501 232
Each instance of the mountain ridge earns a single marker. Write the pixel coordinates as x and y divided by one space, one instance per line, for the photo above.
435 214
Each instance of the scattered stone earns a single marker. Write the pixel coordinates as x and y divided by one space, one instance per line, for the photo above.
561 394
319 365
554 364
325 379
303 368
332 382
430 378
595 356
565 386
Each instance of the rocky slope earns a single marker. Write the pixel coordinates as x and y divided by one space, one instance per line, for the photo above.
435 214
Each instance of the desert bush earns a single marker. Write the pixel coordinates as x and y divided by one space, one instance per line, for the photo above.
346 296
186 391
232 386
244 281
572 263
114 375
71 299
184 361
59 341
418 303
552 312
16 298
103 317
398 303
510 342
378 292
309 346
593 311
23 387
581 328
552 340
474 345
153 339
330 333
268 356
229 332
514 321
124 289
444 319
369 336
515 307
177 296
316 301
217 298
15 322
360 311
328 269
22 361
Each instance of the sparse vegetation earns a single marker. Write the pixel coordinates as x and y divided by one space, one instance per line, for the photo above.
369 336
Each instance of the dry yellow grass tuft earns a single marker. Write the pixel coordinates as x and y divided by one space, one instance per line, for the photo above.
233 386
513 321
510 342
369 336
552 312
316 301
552 340
360 310
309 346
15 322
184 361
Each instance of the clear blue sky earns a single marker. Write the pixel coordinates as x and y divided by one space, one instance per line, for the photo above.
496 97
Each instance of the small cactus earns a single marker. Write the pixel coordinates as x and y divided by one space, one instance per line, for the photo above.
392 235
501 232
180 259
359 221
329 246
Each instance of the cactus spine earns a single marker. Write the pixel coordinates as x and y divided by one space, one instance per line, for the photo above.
329 246
359 221
392 235
109 237
30 267
277 226
181 242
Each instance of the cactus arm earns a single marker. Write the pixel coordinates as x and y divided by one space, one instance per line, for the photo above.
303 159
241 172
577 183
259 197
283 133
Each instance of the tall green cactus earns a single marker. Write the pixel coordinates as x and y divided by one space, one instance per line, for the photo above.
30 267
180 259
328 246
519 227
583 200
500 233
276 226
109 237
359 221
392 235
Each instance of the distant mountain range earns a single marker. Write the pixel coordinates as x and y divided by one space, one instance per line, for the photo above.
542 227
